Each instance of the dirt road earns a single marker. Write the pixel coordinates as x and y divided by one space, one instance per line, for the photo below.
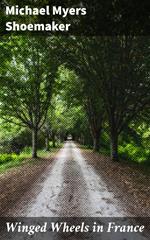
69 188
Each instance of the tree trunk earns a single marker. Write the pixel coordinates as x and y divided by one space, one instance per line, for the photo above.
53 140
34 142
96 141
114 146
47 143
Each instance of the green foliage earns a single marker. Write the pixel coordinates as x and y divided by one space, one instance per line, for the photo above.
13 138
96 89
13 160
27 82
134 153
5 158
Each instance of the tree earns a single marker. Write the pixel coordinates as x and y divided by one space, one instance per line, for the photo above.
116 68
27 84
78 57
123 81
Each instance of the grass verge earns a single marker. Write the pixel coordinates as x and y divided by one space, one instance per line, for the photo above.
8 161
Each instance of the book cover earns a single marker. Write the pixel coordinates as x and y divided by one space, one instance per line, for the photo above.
74 119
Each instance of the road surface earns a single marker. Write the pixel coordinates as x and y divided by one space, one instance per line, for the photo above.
70 188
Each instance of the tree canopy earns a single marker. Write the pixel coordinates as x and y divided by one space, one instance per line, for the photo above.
94 88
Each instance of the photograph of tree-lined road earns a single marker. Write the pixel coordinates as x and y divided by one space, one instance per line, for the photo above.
74 126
